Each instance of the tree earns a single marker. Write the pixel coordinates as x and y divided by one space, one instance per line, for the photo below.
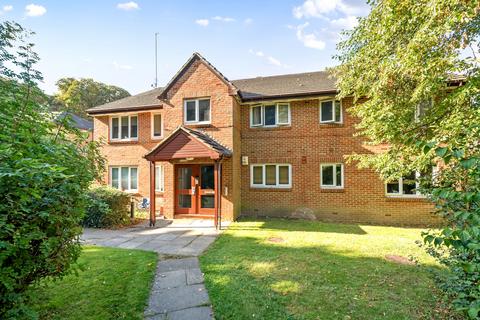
417 63
78 95
45 170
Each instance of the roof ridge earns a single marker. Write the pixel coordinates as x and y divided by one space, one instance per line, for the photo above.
282 75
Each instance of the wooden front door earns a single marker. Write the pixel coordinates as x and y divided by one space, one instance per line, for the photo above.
195 189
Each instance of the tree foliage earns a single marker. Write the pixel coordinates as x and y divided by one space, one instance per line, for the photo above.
78 95
417 62
45 169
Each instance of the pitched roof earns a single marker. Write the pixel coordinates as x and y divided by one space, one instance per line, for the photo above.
288 85
185 143
77 122
195 56
142 101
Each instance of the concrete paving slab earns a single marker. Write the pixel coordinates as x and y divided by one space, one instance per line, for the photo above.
177 264
194 276
169 279
179 298
197 313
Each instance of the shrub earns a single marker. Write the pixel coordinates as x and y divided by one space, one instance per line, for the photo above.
45 170
107 207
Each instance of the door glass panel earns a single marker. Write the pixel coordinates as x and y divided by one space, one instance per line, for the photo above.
207 177
184 178
184 201
208 201
271 175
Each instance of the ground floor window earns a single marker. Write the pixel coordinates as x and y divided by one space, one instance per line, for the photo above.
331 175
271 176
159 179
124 178
405 186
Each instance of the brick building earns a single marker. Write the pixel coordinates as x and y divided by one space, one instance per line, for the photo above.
205 146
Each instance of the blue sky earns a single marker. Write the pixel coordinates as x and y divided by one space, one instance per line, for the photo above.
113 41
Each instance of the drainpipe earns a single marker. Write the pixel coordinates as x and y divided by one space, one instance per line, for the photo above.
219 203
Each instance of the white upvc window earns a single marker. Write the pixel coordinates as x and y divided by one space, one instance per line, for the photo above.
124 178
331 111
159 179
157 125
271 175
331 175
197 111
407 186
270 115
124 127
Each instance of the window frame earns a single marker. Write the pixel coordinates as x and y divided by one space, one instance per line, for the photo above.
277 185
119 117
152 123
197 111
333 111
400 193
161 181
129 190
262 115
334 186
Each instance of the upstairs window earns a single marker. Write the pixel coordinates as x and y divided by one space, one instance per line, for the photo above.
270 115
157 126
331 175
124 128
331 112
197 111
271 176
124 178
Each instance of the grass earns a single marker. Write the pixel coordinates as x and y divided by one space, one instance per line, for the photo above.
114 284
317 270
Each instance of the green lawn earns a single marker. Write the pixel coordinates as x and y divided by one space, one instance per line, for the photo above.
114 284
319 271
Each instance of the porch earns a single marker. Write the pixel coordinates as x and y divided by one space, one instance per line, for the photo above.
196 160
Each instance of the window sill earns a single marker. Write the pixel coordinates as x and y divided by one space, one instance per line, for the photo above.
156 138
332 190
332 124
282 127
270 189
406 198
123 141
198 125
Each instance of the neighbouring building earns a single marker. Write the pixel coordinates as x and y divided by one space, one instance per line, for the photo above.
205 146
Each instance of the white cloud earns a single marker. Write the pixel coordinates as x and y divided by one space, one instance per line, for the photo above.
121 66
271 60
224 19
309 40
34 10
320 8
248 21
202 22
315 8
348 22
7 8
128 6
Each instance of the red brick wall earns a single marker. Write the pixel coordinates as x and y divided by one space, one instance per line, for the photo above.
198 81
305 145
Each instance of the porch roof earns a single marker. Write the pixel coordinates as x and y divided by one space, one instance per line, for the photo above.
187 143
